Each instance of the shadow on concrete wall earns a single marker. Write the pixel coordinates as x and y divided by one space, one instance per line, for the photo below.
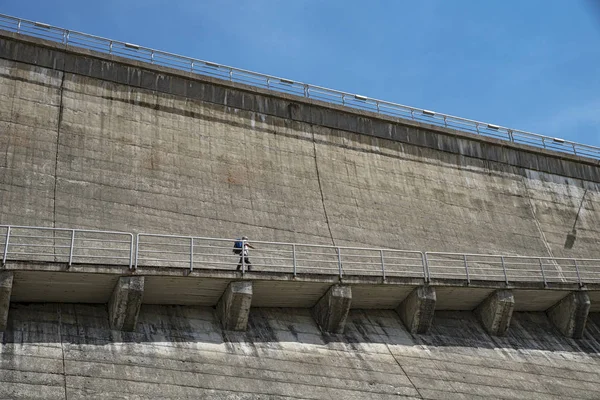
276 329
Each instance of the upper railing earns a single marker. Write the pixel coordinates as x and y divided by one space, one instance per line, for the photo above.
71 38
83 247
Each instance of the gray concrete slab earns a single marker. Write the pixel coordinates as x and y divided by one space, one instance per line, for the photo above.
570 314
495 312
331 310
234 305
416 311
6 284
125 302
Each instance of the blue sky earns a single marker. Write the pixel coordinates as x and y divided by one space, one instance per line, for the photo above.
531 65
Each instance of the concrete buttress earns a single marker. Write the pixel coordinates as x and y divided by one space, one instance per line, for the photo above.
233 307
6 282
331 310
495 312
416 311
125 302
570 314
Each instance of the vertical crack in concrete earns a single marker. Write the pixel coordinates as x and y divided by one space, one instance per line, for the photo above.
62 349
541 231
60 117
321 187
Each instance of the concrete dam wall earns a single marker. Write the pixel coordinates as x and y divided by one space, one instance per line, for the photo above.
100 142
104 143
67 351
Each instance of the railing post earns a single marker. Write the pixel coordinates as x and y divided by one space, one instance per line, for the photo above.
426 272
577 270
504 270
377 104
343 99
6 242
137 250
191 254
382 264
152 57
543 273
19 27
71 247
477 128
230 75
543 142
294 258
467 269
306 91
192 66
445 122
131 251
339 255
574 150
268 86
243 257
110 46
510 136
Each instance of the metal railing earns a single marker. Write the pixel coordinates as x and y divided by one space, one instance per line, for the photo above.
133 51
81 246
216 253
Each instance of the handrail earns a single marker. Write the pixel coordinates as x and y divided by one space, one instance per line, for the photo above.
85 246
70 38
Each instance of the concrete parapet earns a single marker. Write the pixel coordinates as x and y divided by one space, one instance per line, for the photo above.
233 307
125 302
495 312
6 282
331 310
416 311
570 314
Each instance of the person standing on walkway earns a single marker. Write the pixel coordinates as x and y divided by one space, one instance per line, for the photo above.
242 250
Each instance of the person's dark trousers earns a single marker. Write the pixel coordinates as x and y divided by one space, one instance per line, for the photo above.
247 262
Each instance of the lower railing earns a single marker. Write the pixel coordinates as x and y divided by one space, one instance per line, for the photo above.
83 246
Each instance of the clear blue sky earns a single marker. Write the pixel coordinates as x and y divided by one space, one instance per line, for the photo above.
527 64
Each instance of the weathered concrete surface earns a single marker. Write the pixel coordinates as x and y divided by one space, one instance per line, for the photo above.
332 309
233 307
6 284
114 144
416 311
495 312
125 302
570 314
60 351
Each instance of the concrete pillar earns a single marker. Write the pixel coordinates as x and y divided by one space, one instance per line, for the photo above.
6 282
570 314
233 307
496 311
125 302
332 309
416 311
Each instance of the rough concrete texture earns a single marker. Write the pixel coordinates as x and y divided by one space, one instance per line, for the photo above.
416 311
570 314
332 309
6 283
60 351
170 154
495 312
233 307
125 302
